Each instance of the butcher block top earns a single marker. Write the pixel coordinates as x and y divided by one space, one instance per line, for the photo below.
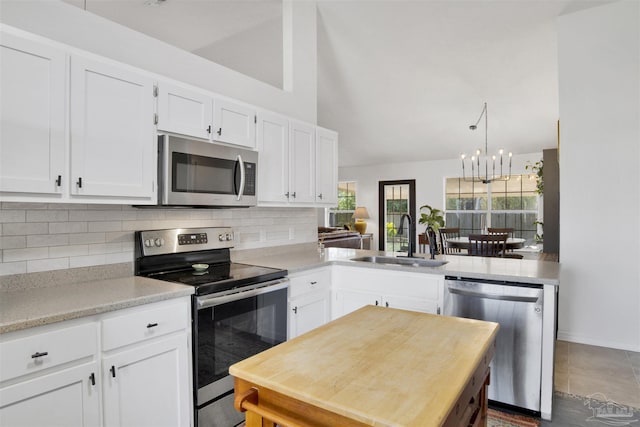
379 366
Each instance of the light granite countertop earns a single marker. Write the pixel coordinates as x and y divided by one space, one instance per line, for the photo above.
512 270
26 308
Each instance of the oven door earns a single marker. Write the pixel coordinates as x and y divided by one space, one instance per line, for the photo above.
230 328
197 173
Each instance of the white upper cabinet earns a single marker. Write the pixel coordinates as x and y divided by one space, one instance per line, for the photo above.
234 123
302 171
298 163
184 111
273 163
201 115
326 167
32 117
112 131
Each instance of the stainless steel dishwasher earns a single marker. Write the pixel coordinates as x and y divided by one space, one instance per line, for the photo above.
518 308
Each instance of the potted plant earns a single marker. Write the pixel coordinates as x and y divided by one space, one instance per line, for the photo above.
433 218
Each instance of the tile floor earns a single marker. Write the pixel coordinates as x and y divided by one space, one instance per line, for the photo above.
583 370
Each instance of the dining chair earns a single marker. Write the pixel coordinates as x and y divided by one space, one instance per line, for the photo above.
509 232
489 245
497 230
445 234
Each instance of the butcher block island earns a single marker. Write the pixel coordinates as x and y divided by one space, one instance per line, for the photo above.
374 367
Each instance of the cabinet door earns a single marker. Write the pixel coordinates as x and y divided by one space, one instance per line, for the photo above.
112 132
302 174
326 167
348 301
32 116
183 111
65 398
234 123
273 151
413 304
309 312
148 385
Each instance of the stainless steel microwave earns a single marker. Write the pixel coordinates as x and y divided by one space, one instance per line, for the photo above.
198 173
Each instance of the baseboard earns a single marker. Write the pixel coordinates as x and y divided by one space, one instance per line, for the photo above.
581 339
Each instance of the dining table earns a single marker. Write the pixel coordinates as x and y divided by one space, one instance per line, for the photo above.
463 243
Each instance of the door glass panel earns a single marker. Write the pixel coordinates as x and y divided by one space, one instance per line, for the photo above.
396 203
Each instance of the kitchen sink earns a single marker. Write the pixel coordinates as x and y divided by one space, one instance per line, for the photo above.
415 262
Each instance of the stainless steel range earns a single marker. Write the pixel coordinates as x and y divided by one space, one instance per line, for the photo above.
238 310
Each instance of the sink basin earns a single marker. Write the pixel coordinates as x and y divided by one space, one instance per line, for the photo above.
415 262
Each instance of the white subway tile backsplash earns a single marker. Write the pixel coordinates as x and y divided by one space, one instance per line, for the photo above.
105 226
23 229
86 261
42 237
105 248
47 264
69 250
12 215
7 268
47 215
11 255
42 240
67 227
13 242
80 238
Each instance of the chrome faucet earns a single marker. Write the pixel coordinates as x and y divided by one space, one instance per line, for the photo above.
410 229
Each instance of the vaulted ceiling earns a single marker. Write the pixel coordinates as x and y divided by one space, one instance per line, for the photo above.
403 80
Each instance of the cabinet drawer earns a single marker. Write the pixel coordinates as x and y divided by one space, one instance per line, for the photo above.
309 281
47 349
144 323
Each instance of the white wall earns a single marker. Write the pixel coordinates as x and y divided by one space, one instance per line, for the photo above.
599 65
73 26
430 179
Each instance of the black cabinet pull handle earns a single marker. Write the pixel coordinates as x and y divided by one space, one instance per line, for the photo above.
376 302
92 378
219 131
113 371
79 182
152 325
295 310
59 181
313 283
209 129
386 304
39 354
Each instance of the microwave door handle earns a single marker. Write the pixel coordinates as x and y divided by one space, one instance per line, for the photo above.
242 177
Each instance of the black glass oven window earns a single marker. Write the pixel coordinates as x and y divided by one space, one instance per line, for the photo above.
231 332
199 174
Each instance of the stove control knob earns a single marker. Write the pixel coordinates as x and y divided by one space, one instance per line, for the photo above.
229 237
221 237
148 243
159 242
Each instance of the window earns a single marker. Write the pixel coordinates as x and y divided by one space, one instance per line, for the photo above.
474 206
341 216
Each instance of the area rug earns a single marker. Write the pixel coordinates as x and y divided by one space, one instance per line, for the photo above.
503 419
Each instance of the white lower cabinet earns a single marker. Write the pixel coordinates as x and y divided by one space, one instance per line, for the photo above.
56 375
148 385
67 397
355 287
309 300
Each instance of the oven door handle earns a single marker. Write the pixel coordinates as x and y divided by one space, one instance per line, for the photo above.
274 285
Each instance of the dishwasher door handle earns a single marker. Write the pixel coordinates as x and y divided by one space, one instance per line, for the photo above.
515 298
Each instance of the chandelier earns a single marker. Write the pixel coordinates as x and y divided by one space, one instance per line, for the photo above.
477 163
